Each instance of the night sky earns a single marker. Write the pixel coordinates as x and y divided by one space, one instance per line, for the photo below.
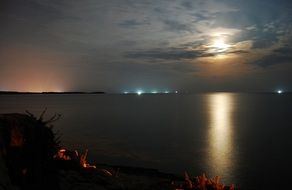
125 45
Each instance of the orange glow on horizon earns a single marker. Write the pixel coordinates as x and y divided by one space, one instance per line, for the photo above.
33 89
30 69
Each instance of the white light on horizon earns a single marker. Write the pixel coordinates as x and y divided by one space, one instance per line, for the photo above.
139 92
280 91
126 92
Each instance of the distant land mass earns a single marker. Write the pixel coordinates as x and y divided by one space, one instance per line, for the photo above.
16 92
135 93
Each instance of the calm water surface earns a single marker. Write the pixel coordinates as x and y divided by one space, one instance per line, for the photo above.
244 138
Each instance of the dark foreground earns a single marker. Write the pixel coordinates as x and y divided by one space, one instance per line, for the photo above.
31 158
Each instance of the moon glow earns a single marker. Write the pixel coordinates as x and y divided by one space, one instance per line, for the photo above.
220 46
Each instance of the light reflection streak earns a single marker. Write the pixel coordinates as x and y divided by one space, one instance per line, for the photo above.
220 135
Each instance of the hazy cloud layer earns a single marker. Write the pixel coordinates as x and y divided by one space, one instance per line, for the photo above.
164 43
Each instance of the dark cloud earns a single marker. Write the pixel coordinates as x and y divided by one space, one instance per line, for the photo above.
181 53
265 39
168 54
286 50
128 43
29 10
278 56
273 59
234 51
132 23
177 26
200 16
187 4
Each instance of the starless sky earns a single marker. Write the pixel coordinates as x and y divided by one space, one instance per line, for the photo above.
118 45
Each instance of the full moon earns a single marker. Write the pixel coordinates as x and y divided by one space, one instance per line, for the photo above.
219 48
219 45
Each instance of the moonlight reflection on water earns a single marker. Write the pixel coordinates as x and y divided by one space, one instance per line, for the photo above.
220 133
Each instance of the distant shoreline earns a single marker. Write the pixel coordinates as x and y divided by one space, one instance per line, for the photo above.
132 93
15 92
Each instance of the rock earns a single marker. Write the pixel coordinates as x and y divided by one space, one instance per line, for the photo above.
4 178
27 146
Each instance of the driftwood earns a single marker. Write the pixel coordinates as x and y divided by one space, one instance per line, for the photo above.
27 146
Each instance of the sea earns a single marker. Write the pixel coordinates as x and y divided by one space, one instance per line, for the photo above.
245 138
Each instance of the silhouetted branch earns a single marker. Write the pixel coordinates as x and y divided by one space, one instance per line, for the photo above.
54 118
41 118
29 114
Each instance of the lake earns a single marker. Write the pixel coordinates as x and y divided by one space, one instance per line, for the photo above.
246 139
